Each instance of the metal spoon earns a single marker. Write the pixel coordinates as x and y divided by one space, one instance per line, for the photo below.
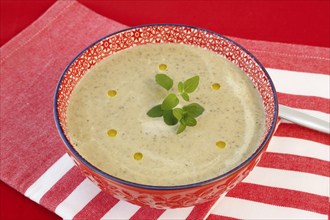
304 119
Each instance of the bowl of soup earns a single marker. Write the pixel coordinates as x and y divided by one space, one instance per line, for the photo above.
104 95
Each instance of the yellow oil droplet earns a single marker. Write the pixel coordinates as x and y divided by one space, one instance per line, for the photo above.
112 133
112 93
221 144
138 156
162 67
216 86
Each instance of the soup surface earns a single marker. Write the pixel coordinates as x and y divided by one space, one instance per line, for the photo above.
108 125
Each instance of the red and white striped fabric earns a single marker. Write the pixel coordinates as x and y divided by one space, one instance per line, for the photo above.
290 182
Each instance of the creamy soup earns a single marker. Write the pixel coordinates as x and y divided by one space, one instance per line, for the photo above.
109 127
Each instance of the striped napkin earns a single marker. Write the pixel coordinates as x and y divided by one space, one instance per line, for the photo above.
290 182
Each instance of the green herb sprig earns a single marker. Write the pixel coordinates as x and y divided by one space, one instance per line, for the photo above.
186 116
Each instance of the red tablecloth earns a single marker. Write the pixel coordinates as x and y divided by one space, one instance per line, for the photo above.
284 22
288 21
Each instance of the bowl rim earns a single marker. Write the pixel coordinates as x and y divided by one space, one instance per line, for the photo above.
176 187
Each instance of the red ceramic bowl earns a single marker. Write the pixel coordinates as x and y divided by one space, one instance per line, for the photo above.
166 196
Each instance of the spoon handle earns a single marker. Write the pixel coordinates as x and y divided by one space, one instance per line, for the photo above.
304 119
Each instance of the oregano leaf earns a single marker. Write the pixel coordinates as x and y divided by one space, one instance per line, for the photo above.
194 109
180 87
155 112
164 81
181 128
170 102
169 118
185 96
178 113
191 84
190 121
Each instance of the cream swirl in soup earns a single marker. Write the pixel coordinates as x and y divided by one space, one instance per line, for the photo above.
108 125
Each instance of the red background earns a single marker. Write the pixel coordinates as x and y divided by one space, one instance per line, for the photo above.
297 22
